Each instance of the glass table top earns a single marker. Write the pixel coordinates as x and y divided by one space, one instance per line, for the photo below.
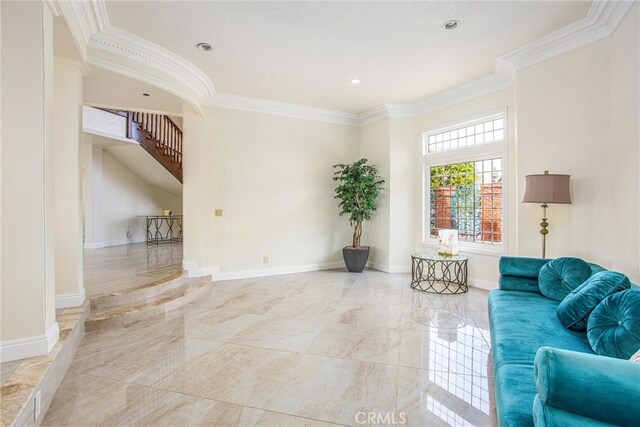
438 257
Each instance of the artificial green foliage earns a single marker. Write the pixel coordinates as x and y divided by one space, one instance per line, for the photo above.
358 189
456 175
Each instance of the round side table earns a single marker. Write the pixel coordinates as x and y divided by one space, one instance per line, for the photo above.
439 274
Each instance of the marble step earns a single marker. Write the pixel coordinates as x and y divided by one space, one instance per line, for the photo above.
139 294
123 315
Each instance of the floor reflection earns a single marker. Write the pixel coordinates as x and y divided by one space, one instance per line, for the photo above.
316 345
163 256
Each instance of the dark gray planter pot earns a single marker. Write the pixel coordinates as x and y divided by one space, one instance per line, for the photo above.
355 258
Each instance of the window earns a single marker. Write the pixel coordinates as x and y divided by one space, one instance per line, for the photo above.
464 167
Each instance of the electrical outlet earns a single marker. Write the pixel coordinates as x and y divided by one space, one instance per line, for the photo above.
37 405
217 212
265 259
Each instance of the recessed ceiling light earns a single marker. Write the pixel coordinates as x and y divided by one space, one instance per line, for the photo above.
205 47
145 94
451 25
354 81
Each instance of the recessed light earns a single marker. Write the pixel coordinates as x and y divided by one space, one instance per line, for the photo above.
354 81
205 47
145 94
451 25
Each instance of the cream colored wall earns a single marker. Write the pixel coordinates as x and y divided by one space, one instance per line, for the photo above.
404 192
375 146
271 176
118 198
67 203
483 268
578 114
27 285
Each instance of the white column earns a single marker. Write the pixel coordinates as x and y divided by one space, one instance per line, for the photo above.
67 186
28 324
193 202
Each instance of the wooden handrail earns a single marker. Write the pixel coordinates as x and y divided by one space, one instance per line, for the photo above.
158 135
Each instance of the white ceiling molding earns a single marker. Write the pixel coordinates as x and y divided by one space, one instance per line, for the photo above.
255 105
124 53
84 18
121 52
601 21
81 66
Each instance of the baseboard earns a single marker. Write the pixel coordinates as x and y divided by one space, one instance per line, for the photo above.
393 269
23 348
70 300
192 269
98 245
263 272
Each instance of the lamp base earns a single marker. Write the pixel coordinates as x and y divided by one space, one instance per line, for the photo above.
544 224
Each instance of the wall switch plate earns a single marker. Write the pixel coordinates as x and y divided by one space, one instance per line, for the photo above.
217 212
37 405
265 259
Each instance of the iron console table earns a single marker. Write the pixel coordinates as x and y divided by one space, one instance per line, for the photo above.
439 274
164 229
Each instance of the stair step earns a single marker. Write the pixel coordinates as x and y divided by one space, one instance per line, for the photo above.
139 294
124 315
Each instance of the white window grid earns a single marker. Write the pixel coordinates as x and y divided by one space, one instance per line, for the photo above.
497 148
485 130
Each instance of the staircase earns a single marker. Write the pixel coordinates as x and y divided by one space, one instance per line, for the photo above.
158 135
122 308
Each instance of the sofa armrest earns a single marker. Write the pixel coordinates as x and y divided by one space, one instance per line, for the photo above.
598 387
521 266
548 416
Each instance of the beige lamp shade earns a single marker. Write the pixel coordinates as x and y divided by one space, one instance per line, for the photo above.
546 188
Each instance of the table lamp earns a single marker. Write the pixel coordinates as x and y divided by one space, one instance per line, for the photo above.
546 188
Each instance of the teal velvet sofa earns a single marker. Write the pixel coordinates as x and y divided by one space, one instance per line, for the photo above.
545 374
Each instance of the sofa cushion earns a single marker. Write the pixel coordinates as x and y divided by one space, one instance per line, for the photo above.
561 276
515 390
522 322
573 312
614 325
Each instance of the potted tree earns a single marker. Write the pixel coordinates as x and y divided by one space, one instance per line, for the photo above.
358 187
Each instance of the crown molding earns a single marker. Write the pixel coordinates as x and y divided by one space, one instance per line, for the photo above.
125 53
277 108
84 19
601 21
81 66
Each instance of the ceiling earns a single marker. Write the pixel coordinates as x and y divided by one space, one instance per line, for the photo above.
105 88
306 52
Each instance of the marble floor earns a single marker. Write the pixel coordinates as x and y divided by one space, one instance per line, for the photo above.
320 348
116 268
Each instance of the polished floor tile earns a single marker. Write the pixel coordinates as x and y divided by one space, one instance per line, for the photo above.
358 342
295 335
308 349
232 373
336 390
93 400
462 350
431 398
121 267
139 359
270 419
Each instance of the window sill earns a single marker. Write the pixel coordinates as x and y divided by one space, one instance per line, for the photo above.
494 251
